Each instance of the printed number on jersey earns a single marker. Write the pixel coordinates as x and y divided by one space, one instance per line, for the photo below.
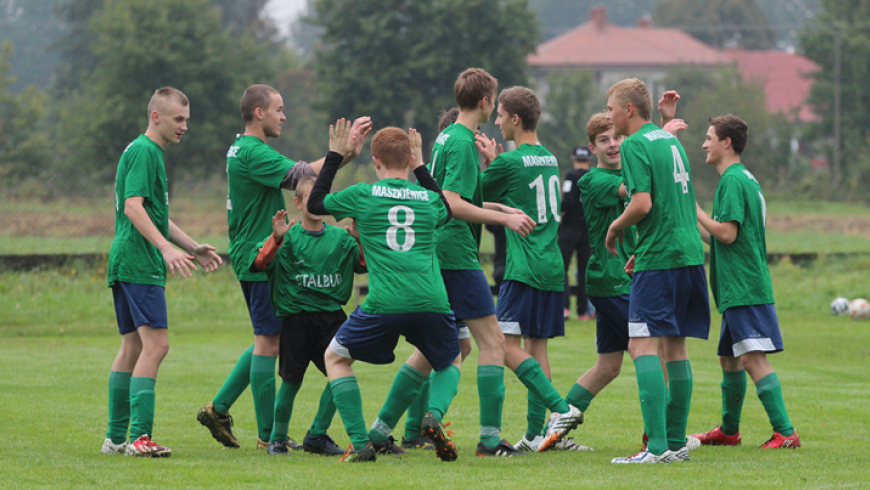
553 186
393 231
680 174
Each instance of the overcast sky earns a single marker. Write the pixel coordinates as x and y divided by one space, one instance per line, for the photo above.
284 12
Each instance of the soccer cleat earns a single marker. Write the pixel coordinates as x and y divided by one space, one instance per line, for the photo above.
110 447
529 446
261 444
365 455
321 444
219 424
388 447
679 455
279 448
645 457
421 442
568 444
559 425
567 314
586 318
692 442
716 437
144 446
437 432
780 441
504 450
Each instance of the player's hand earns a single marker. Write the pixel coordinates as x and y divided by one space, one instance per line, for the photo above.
360 129
178 261
610 241
341 138
519 223
629 266
675 125
352 230
488 148
280 226
668 105
416 148
205 255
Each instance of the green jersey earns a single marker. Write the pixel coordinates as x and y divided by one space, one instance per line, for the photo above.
141 173
397 223
605 272
528 179
312 271
456 167
738 272
254 173
654 161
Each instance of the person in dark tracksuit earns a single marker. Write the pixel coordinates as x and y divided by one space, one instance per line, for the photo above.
573 237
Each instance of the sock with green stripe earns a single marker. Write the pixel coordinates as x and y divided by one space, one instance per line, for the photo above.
406 387
733 393
532 376
236 383
119 406
445 385
263 389
490 389
348 400
679 402
142 400
325 412
414 419
283 410
580 397
653 403
770 392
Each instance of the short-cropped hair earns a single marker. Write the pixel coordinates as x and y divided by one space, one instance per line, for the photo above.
597 124
166 94
730 126
522 102
633 91
255 96
472 86
392 148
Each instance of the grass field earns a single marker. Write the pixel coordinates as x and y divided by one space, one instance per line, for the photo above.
58 339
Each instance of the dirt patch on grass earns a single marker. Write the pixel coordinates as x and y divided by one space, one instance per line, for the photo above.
844 225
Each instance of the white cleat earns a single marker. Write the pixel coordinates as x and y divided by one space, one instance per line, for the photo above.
568 444
529 446
559 425
692 442
110 447
679 455
646 457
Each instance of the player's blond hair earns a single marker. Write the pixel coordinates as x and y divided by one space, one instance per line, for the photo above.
162 96
597 124
472 86
522 102
255 96
392 148
633 91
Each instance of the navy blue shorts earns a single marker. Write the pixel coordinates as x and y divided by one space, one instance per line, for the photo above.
137 305
469 294
611 323
372 338
530 312
749 329
669 303
260 307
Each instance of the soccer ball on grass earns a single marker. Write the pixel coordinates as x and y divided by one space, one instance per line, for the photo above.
840 306
859 309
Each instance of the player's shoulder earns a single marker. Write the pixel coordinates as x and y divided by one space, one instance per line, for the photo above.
455 135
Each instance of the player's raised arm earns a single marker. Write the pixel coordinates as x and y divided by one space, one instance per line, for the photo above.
668 106
342 143
360 129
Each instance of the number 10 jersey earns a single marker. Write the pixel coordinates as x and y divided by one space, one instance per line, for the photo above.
398 227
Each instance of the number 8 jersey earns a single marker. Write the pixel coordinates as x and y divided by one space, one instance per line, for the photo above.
528 179
398 227
655 162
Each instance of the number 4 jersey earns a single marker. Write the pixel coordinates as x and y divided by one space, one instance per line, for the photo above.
654 161
398 227
528 179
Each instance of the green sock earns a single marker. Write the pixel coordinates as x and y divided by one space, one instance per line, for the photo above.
236 383
679 402
406 387
348 400
325 412
142 401
580 397
770 392
263 389
445 385
533 377
414 419
119 406
283 410
733 392
490 390
653 403
535 416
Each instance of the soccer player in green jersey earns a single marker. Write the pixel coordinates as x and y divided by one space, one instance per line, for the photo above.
530 299
310 268
398 225
140 256
256 175
668 299
741 286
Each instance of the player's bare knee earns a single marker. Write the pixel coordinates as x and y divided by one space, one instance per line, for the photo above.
731 364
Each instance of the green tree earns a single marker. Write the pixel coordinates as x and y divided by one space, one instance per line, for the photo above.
397 60
721 23
31 27
568 105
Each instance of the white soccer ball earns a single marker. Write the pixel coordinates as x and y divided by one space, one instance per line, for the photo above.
840 306
859 309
